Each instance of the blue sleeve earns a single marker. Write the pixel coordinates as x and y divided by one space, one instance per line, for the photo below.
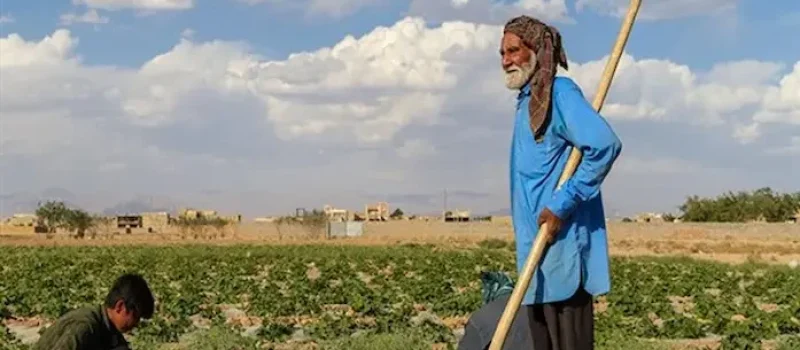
587 130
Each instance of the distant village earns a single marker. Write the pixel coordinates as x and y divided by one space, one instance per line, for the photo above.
155 222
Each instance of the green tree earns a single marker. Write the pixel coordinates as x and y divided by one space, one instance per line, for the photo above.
78 221
314 223
397 214
52 215
762 203
201 226
55 214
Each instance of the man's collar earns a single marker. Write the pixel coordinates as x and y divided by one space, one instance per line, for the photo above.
525 91
107 320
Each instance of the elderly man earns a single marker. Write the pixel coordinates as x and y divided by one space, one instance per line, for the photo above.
101 327
552 116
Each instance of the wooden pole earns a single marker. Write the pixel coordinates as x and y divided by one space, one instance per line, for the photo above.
540 243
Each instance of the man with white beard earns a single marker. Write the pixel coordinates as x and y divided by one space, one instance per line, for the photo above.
552 116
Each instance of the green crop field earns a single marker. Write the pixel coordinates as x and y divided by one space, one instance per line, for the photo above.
403 297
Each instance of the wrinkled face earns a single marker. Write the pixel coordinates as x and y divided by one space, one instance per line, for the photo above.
518 61
123 319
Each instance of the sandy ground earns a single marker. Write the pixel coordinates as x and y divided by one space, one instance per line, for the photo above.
734 243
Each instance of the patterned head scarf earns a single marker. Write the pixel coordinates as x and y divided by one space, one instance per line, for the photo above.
545 41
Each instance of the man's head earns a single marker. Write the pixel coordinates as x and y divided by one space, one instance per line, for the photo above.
518 61
528 46
531 53
128 301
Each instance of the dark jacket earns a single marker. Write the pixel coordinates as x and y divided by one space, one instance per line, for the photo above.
82 329
478 333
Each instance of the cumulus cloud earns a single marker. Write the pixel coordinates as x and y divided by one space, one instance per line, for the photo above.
409 107
187 33
740 95
6 18
152 5
54 49
90 17
782 102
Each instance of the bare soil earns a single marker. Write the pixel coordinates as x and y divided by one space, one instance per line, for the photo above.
732 243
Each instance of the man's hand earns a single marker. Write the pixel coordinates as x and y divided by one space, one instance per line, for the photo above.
553 224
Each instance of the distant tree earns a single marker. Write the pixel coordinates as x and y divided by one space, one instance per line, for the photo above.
52 215
78 221
102 223
314 223
397 214
200 226
742 206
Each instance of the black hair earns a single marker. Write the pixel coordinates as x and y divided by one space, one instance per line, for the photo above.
134 292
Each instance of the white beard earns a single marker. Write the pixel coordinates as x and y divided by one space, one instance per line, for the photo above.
516 77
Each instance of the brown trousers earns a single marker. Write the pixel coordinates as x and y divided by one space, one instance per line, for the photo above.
563 325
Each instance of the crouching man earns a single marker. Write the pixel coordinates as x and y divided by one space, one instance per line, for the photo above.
101 327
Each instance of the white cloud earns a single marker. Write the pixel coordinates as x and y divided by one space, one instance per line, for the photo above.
51 50
332 8
338 8
748 72
660 9
731 93
188 33
458 3
6 18
152 5
91 17
415 148
411 106
747 133
782 102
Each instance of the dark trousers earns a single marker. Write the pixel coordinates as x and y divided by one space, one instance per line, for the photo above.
563 325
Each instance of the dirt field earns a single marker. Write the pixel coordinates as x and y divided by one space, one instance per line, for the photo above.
731 243
773 243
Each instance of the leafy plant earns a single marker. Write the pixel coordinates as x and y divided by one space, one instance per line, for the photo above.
379 292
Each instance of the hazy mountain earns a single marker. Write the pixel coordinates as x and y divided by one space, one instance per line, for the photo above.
141 204
27 202
500 212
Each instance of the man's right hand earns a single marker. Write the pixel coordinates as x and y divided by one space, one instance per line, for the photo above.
553 224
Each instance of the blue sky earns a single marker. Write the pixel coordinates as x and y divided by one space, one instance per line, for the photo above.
700 106
275 31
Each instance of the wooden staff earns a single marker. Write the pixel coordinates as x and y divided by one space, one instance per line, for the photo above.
535 255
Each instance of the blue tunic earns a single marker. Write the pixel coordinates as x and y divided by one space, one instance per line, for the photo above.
580 251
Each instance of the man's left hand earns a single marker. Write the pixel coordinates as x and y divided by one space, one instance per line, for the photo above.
553 224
